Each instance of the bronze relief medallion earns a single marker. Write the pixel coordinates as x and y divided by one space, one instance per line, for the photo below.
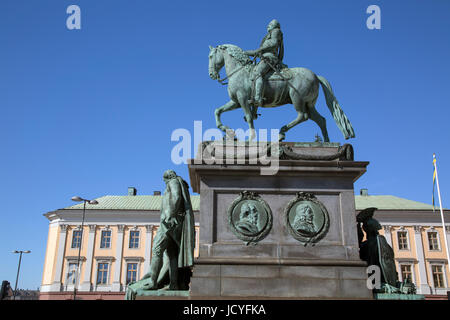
307 218
250 217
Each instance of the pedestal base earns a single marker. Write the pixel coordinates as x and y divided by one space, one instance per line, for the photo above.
312 280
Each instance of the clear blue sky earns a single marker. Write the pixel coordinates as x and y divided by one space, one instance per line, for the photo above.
90 112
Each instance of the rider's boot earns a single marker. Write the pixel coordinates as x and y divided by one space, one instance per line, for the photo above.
258 92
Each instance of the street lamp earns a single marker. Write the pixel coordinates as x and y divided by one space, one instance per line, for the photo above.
79 199
18 269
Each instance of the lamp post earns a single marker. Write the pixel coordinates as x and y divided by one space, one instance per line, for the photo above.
18 269
79 199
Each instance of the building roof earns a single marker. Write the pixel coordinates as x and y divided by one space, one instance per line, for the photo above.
131 203
153 202
389 203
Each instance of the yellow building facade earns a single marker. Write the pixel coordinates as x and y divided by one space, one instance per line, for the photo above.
114 246
117 236
415 232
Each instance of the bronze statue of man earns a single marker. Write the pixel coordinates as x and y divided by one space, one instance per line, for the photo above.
175 238
271 52
375 250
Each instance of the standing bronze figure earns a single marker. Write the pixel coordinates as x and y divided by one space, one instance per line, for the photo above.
174 239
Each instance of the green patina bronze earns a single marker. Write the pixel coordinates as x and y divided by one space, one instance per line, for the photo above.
269 83
250 217
173 246
375 250
306 218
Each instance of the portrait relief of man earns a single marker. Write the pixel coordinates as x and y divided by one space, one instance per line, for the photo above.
248 219
304 219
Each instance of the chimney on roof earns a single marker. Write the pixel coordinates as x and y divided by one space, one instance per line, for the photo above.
132 191
156 193
364 192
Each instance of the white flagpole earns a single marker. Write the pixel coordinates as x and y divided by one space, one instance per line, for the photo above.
442 213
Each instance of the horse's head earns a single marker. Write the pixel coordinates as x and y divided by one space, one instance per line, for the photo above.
216 62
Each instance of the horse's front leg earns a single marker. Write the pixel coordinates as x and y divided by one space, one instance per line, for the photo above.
230 105
248 116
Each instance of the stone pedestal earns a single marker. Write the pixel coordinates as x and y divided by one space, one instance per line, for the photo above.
278 264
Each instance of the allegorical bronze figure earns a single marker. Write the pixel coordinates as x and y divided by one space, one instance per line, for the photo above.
174 239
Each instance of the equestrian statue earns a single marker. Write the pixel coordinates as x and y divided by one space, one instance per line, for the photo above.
269 83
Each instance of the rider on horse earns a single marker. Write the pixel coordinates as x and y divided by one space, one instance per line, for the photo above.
271 52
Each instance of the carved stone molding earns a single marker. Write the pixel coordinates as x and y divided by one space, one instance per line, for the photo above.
149 227
120 227
63 227
418 229
75 258
105 258
447 229
344 153
92 227
387 228
133 258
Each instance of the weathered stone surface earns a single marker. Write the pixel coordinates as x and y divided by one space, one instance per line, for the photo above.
205 286
207 270
283 287
280 281
249 271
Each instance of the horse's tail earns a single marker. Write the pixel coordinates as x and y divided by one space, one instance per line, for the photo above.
338 114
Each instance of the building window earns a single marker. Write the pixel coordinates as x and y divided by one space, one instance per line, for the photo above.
433 240
406 272
195 238
105 241
76 238
438 276
131 272
71 273
402 237
134 239
102 273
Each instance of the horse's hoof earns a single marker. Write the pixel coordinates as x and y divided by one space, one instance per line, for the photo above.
230 134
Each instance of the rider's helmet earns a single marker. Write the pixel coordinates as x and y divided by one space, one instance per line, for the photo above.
273 24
